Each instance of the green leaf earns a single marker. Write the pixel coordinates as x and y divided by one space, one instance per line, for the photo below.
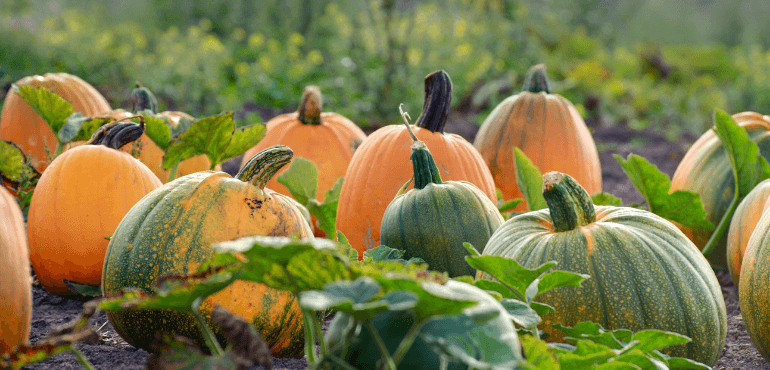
606 199
301 178
158 130
214 136
48 105
354 298
539 356
521 313
493 286
79 127
509 272
509 205
542 309
433 298
681 206
83 289
685 363
556 279
749 167
12 161
326 212
285 263
383 253
172 291
179 352
640 359
530 181
652 339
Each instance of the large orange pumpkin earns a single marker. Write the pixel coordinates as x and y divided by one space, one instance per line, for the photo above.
706 170
15 288
21 125
79 201
547 128
172 230
377 169
744 222
151 155
327 139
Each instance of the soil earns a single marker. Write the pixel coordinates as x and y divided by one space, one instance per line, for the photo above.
739 353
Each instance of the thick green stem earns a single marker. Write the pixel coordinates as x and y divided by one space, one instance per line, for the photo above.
309 337
722 227
569 204
143 99
386 359
263 166
425 170
59 149
81 358
536 80
406 343
172 172
309 111
340 362
208 335
438 98
117 134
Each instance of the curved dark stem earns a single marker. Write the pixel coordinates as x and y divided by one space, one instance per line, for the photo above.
263 166
438 98
119 133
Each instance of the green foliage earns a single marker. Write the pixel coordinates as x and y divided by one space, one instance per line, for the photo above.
530 181
17 170
301 178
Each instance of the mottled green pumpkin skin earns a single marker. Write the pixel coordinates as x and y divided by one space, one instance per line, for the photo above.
171 230
754 294
644 273
433 223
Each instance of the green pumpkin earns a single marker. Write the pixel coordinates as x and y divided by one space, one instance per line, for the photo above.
644 272
171 230
433 220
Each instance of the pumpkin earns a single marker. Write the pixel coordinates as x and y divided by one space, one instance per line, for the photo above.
151 155
171 231
377 171
547 128
706 170
327 139
15 290
644 272
393 326
79 201
435 218
20 124
753 292
742 225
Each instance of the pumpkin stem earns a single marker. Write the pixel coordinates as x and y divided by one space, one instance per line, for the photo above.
425 170
119 133
143 99
536 80
263 165
569 204
310 107
438 96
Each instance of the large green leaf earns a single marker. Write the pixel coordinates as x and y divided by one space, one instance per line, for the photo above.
681 206
12 161
530 181
301 178
355 298
51 107
158 130
749 167
78 127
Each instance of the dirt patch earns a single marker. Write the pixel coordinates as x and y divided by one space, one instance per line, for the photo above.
739 353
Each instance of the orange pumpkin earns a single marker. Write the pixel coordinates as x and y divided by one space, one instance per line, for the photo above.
744 222
547 128
706 170
79 201
152 155
21 125
377 170
327 139
15 289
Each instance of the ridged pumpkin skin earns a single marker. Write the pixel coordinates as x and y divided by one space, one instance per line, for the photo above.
744 222
172 230
644 273
706 171
326 139
21 125
753 292
548 129
433 220
379 168
79 200
15 288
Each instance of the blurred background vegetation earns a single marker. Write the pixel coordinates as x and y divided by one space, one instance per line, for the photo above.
642 63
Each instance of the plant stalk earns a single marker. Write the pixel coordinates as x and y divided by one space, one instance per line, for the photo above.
309 337
722 227
59 149
172 172
208 335
81 358
406 343
386 359
342 363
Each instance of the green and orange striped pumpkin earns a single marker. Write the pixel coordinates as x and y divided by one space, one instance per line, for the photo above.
753 292
644 272
172 230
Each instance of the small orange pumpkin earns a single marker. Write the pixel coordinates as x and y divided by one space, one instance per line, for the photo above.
377 171
742 225
151 155
21 125
15 288
79 201
327 139
547 128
